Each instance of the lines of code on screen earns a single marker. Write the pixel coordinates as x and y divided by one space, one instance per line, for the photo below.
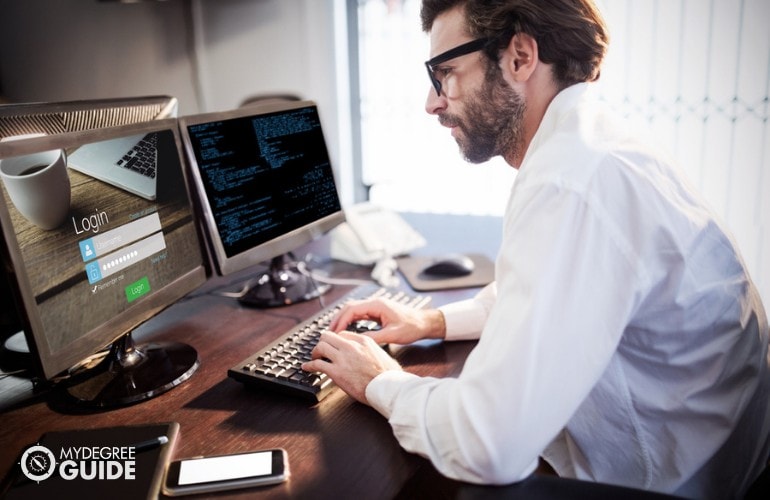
264 175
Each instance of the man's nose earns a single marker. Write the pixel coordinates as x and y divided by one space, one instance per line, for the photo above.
434 104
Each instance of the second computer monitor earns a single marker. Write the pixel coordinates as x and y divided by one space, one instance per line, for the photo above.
266 186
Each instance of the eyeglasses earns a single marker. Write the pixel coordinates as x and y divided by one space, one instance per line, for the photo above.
460 50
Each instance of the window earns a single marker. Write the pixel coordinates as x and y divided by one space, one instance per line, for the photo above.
696 73
409 161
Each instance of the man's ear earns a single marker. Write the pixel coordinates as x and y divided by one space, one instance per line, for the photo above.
520 57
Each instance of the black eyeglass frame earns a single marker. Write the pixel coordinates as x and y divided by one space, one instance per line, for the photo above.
460 50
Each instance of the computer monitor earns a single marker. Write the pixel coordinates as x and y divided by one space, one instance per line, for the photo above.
90 261
72 116
265 186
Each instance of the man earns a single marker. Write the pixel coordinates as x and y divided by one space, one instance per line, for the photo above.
623 340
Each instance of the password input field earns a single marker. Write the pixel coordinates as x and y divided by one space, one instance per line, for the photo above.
121 259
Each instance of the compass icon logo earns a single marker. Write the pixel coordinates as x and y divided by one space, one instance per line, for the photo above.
38 463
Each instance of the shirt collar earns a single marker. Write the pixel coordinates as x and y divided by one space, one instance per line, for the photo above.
561 105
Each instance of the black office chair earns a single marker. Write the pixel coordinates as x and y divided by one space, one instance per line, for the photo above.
427 482
760 488
269 98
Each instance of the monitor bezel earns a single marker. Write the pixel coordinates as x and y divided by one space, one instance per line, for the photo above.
71 116
50 365
287 242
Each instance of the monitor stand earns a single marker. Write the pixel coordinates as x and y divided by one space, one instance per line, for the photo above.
131 373
15 352
283 284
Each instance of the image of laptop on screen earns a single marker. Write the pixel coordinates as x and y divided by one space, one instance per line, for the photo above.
129 163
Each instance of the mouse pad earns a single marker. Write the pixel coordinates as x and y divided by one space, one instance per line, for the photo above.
411 268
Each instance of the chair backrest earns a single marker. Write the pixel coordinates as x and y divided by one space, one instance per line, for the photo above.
760 486
267 98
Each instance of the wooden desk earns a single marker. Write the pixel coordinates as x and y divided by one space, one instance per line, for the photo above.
338 448
328 443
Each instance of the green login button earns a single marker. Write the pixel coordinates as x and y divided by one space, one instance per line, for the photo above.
137 289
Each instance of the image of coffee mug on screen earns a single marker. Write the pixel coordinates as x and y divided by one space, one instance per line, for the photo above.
39 186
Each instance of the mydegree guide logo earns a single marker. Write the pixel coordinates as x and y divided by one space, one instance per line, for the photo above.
39 463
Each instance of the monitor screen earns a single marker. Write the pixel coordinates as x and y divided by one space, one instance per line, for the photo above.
91 258
266 186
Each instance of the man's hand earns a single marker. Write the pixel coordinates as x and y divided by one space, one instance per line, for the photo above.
400 324
351 360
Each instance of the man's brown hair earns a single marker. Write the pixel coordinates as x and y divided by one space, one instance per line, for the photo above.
571 34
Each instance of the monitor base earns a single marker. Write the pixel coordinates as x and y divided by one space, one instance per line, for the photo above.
283 284
14 354
131 373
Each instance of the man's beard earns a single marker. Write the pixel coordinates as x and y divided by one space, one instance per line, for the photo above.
492 124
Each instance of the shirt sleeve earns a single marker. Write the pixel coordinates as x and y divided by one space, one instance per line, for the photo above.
559 312
465 319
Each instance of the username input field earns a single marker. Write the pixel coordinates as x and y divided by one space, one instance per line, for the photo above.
109 241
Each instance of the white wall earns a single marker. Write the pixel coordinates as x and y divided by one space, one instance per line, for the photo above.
80 49
210 54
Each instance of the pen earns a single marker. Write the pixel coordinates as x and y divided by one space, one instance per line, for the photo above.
150 444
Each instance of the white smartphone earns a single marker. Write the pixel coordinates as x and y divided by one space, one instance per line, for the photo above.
226 472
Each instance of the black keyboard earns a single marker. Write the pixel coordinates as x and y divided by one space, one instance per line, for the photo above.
277 366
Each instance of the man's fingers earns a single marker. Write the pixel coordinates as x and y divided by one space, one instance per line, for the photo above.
341 320
350 337
325 348
355 310
348 314
316 365
330 343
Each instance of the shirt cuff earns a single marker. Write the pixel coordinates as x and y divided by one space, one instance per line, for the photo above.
464 320
382 391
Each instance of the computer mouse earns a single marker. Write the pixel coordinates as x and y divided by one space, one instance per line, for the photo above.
449 266
363 325
366 326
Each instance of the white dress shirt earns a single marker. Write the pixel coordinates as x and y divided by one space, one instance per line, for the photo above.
622 340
